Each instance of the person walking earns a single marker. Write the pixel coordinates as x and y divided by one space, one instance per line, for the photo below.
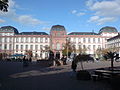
64 58
74 66
25 62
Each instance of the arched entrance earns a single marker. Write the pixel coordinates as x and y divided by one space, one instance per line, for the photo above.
57 55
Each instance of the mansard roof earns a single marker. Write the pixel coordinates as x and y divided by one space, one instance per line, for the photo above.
108 29
32 33
8 29
82 33
58 28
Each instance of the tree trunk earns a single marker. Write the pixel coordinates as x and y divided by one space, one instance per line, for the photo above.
112 66
81 65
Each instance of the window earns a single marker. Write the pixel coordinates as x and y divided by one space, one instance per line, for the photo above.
94 47
93 40
41 40
17 47
31 39
26 39
79 46
21 39
98 39
79 40
58 46
46 40
21 47
58 34
99 46
36 39
26 47
84 40
17 40
5 39
5 46
40 54
41 47
10 46
74 40
31 47
89 47
0 40
0 46
46 47
88 40
46 55
84 46
36 47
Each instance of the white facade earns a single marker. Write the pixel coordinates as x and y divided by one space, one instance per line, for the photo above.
11 41
114 43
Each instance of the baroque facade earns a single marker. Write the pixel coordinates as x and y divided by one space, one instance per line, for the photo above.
12 42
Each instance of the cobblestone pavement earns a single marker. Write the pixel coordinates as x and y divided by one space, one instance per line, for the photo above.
13 76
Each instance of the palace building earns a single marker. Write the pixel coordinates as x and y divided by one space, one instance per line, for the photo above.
12 41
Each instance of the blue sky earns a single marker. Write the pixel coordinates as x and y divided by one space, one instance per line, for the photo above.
75 15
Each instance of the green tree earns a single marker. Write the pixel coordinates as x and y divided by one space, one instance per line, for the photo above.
81 50
67 49
112 56
81 58
4 5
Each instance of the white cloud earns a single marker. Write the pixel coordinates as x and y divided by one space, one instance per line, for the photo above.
75 12
28 20
93 19
107 11
106 19
46 28
89 2
80 14
23 19
2 21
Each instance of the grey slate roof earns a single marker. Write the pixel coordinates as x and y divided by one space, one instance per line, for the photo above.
8 29
108 29
115 37
32 33
82 33
58 28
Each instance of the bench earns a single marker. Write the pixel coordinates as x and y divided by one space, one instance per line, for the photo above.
94 77
102 76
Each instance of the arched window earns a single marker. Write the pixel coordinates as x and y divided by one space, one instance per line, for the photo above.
58 46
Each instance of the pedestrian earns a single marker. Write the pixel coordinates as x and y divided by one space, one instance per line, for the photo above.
64 58
74 66
30 59
25 62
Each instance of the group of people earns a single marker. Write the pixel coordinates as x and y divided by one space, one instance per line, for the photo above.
61 61
26 61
